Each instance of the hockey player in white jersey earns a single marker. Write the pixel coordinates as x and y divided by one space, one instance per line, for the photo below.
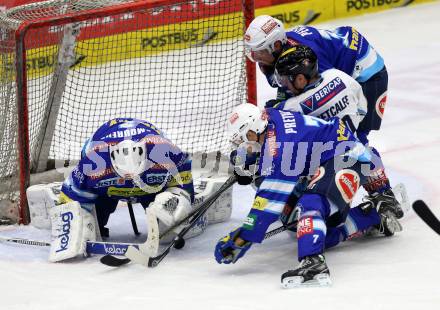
326 95
331 94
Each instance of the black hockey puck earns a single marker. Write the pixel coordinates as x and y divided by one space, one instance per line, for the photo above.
179 243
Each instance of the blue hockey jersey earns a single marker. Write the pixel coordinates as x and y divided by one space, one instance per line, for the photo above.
344 49
94 176
295 145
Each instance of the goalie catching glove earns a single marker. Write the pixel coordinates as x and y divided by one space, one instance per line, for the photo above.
172 205
226 251
72 227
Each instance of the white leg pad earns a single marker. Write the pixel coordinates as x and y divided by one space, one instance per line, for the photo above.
72 226
41 198
221 210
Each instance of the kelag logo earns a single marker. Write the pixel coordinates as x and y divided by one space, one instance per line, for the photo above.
366 4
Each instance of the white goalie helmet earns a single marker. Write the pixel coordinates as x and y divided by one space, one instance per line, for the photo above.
243 118
262 33
128 158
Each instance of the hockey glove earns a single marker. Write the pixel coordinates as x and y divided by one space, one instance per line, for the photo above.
226 251
242 166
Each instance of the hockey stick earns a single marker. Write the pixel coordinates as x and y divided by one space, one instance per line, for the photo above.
178 242
25 241
132 218
423 211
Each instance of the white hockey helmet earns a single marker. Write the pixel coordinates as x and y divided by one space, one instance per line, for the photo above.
128 158
262 33
243 118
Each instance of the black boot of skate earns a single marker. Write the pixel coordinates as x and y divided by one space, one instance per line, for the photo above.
389 224
311 271
383 202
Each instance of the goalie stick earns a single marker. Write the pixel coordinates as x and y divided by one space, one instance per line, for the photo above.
92 247
423 211
178 242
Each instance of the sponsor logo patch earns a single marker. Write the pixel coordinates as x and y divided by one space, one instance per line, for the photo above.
323 95
271 142
250 221
348 182
259 203
380 104
305 227
342 136
269 26
64 237
110 182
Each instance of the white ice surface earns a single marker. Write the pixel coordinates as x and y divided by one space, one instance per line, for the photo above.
401 272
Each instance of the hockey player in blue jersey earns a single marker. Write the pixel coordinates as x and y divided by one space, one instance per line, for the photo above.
125 159
344 49
293 146
331 93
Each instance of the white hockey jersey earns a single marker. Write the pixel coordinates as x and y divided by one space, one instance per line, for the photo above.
335 94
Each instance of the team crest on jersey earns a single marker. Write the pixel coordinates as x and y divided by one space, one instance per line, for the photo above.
348 182
380 104
323 95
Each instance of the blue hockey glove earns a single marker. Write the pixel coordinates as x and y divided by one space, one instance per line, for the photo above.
227 252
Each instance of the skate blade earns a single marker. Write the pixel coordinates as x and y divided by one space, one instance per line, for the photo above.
320 280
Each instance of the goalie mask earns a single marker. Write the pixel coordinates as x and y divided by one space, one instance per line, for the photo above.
262 34
245 117
128 158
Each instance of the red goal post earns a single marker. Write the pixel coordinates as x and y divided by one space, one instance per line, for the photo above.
67 66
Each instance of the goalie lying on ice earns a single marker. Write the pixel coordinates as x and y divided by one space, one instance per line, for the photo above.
126 159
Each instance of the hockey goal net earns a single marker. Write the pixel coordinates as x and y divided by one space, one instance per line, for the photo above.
67 66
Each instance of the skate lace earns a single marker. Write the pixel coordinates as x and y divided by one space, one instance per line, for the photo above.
305 262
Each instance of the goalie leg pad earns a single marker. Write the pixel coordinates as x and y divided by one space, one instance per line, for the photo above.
72 227
221 210
41 198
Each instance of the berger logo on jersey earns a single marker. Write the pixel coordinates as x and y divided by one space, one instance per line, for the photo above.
323 95
380 104
348 182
